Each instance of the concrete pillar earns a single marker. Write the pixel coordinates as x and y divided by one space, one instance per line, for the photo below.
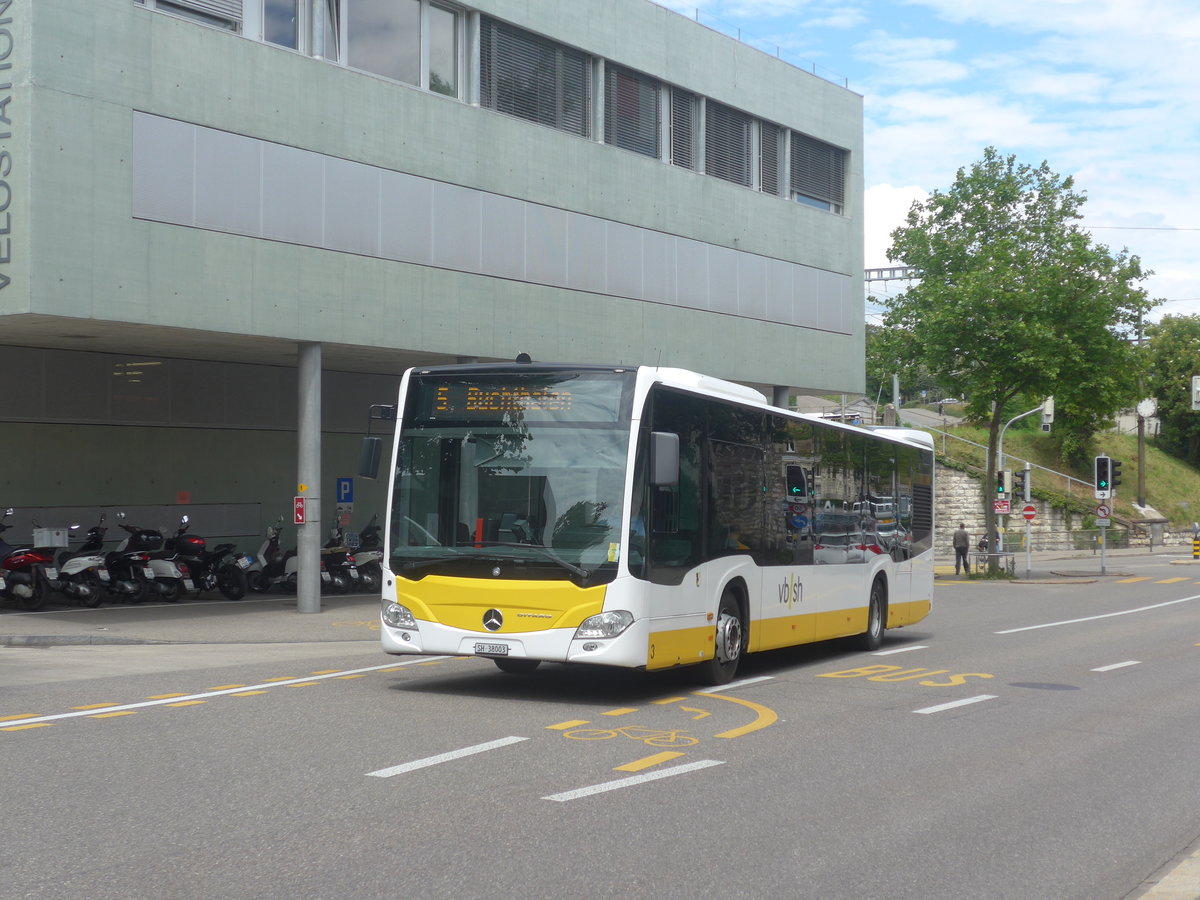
308 471
780 393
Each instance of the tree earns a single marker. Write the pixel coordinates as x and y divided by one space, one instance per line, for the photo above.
1014 299
1174 357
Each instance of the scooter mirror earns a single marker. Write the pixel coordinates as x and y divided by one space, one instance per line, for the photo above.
74 526
120 515
183 520
9 511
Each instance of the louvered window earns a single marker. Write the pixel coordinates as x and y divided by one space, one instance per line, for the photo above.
632 111
727 143
683 128
818 173
769 158
526 75
221 13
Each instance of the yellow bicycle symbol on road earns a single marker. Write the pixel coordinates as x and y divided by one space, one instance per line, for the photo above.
651 737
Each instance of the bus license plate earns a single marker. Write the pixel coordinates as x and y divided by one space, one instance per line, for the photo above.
492 649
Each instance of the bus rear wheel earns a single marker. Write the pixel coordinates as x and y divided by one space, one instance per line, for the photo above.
729 641
872 638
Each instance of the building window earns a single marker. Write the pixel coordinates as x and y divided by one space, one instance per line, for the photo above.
443 50
225 14
818 173
770 158
529 76
632 111
683 128
384 37
727 146
281 23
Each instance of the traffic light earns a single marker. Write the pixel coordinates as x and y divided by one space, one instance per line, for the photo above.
1114 472
1004 482
1019 481
796 482
1103 478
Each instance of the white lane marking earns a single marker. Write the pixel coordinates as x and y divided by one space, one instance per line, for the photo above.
634 780
738 684
207 694
1123 612
1120 665
901 650
445 757
942 707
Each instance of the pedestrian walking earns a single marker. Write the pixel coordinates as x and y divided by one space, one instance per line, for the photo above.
962 545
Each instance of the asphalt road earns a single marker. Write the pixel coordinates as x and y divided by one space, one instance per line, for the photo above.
1026 741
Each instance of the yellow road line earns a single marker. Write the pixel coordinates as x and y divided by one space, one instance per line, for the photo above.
165 696
1135 579
188 703
638 764
23 727
325 671
563 726
347 677
304 684
621 711
96 706
667 700
13 718
766 717
1175 580
226 687
248 694
265 681
120 712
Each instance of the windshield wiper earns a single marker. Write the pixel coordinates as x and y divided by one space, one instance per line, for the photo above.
537 548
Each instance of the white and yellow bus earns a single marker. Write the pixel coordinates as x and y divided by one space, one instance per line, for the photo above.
642 517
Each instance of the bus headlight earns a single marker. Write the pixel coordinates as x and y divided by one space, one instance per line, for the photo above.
604 625
398 616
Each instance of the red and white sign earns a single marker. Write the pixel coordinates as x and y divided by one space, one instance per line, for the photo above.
298 509
1002 507
1102 511
1029 512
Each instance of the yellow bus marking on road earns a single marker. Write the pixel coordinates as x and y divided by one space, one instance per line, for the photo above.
346 677
304 684
1175 580
766 717
325 671
1135 579
23 727
120 712
563 726
226 687
621 711
13 718
700 713
164 696
646 762
95 706
664 702
248 694
188 703
265 681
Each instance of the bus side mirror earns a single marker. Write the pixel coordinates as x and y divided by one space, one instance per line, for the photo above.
664 459
368 457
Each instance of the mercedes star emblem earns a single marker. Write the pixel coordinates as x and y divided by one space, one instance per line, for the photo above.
493 619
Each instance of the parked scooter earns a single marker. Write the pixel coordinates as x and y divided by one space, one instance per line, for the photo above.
223 567
171 572
339 569
273 566
130 562
82 574
27 572
369 557
127 580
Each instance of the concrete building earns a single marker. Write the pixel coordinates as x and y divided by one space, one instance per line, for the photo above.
195 194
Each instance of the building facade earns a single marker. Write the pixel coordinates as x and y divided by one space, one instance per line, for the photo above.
192 192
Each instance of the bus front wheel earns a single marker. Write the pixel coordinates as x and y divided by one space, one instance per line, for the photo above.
729 641
872 638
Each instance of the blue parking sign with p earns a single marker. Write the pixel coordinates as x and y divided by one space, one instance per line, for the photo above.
345 490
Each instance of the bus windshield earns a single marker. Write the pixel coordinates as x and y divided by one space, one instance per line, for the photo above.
507 475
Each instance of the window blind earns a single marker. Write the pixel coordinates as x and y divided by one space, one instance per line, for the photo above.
818 170
769 158
727 143
632 111
683 128
226 10
529 76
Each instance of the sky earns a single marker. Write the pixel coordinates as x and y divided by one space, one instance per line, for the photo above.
1105 91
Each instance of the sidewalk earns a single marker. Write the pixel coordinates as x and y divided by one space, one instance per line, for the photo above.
1067 566
270 618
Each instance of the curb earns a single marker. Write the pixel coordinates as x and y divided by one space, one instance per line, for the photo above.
60 640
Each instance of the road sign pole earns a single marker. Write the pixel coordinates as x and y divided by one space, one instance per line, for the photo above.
1028 526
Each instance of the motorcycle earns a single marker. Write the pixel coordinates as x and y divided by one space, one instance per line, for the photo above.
169 570
223 567
369 556
129 565
339 569
27 571
82 574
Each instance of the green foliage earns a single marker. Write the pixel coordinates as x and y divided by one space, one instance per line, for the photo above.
1174 357
1015 300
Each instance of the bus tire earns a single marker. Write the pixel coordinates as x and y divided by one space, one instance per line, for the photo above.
872 638
729 642
516 666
